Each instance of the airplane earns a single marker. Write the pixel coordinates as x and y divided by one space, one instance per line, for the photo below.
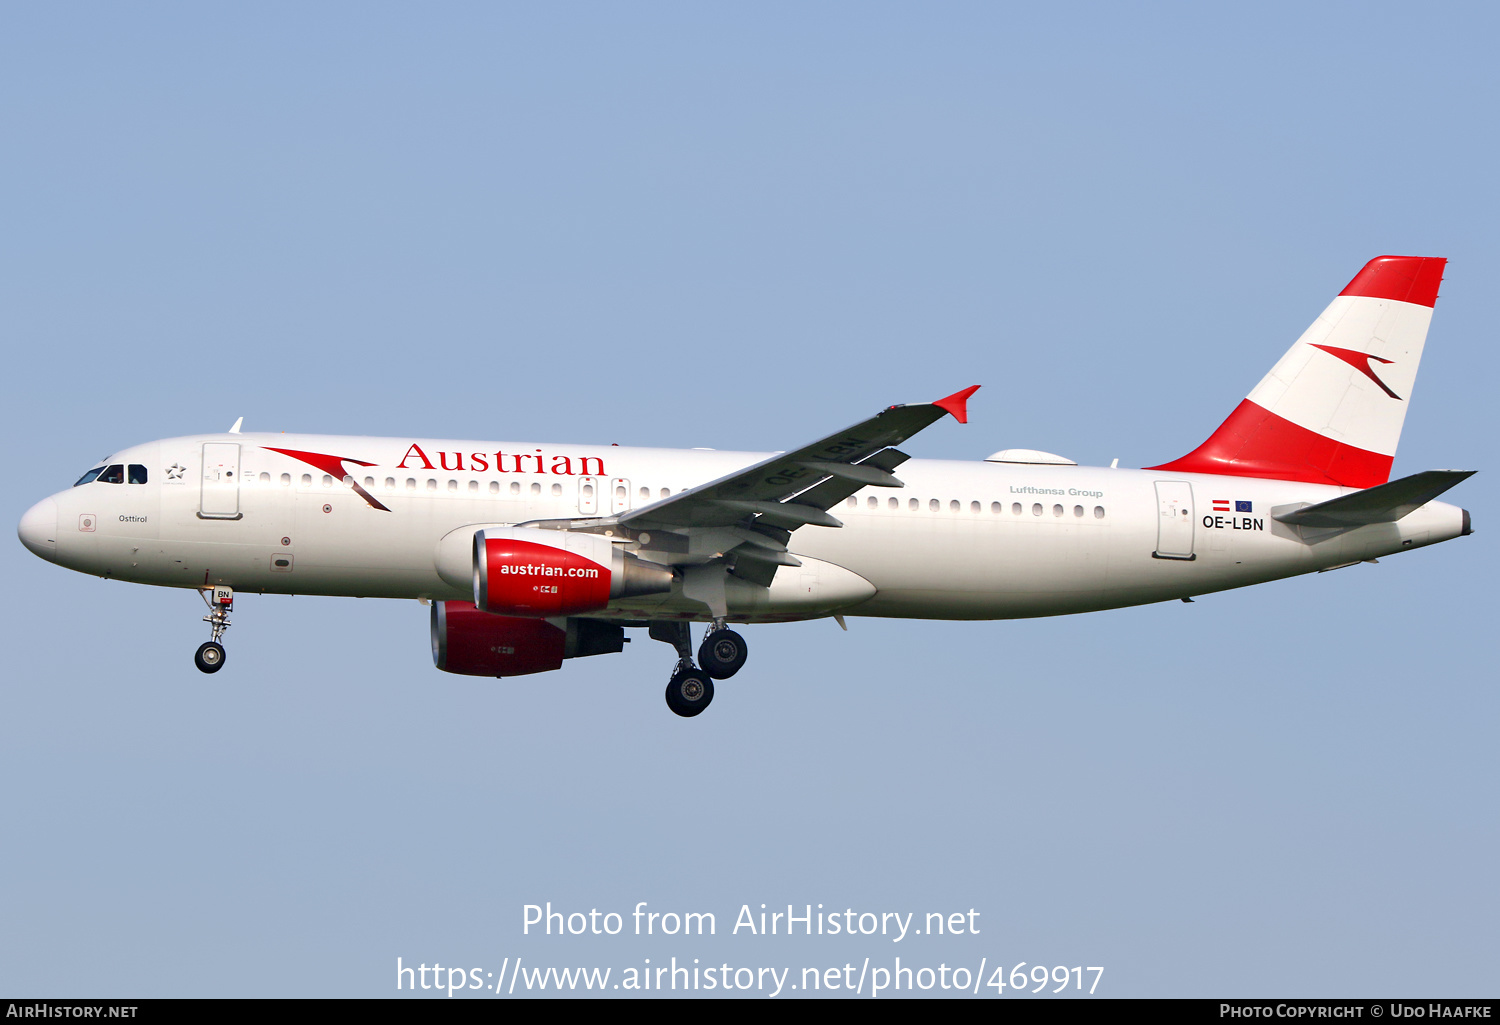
530 554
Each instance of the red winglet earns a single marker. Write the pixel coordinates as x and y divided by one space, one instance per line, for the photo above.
1408 279
958 404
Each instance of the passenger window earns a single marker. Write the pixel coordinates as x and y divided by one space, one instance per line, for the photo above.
327 481
1057 510
113 475
90 477
556 489
453 485
536 489
137 473
473 487
390 483
1036 508
934 504
973 507
646 493
894 503
369 483
515 487
494 487
1015 508
1078 510
411 484
912 505
431 484
873 502
995 508
286 479
1098 512
588 491
666 492
265 478
306 479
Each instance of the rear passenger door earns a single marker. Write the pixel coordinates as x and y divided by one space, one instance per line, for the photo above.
1174 520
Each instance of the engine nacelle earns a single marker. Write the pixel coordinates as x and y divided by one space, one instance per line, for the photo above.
474 643
540 573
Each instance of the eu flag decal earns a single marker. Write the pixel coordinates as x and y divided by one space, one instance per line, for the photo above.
1240 507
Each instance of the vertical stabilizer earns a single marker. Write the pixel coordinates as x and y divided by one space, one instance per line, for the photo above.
1330 412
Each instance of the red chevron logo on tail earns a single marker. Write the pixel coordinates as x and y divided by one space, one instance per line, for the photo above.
1359 361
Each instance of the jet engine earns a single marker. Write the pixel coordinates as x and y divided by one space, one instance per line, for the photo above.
539 573
474 643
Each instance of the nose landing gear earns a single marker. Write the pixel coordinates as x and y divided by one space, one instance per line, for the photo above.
209 658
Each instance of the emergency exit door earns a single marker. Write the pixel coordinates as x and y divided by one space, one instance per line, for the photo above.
1174 521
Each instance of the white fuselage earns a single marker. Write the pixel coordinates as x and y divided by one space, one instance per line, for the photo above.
962 540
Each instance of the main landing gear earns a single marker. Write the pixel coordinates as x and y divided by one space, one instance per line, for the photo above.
210 656
721 654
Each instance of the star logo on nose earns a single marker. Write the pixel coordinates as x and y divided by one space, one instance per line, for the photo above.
175 472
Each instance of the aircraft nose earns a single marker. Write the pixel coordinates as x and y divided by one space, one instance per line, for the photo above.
38 529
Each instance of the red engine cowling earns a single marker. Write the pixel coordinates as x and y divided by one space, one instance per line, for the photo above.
538 573
474 643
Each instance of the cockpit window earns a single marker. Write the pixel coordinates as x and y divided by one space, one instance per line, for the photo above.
114 474
137 473
88 478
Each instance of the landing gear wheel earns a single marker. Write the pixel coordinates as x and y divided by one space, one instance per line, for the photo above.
689 692
722 653
210 657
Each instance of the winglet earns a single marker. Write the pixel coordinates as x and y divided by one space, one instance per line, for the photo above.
958 404
236 428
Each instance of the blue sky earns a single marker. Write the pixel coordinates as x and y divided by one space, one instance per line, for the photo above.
715 225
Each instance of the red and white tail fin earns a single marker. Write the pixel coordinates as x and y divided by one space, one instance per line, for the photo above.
1330 412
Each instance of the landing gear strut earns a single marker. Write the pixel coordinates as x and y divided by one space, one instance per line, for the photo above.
691 689
210 655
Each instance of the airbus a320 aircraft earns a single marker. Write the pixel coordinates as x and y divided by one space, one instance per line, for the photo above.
530 554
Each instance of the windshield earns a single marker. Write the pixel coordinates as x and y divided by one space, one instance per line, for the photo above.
88 478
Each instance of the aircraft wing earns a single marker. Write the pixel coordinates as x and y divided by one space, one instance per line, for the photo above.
762 504
793 489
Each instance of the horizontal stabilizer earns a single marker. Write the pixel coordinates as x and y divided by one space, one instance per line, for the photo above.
1385 503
